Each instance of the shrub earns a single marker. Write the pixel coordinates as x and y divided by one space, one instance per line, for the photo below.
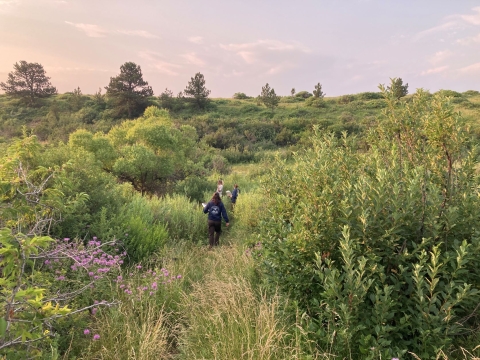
303 94
240 96
449 93
317 102
369 96
380 247
469 93
345 99
193 188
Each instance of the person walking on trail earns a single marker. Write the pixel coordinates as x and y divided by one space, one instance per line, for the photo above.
233 196
220 187
216 211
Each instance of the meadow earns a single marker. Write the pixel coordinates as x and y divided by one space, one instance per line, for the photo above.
355 234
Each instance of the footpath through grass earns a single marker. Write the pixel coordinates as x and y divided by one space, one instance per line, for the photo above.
216 310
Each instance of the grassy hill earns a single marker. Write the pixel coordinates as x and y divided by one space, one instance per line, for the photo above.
244 125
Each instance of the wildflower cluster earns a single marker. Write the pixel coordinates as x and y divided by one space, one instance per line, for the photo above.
146 282
69 257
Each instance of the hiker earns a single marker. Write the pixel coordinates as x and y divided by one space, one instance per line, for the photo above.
233 196
220 187
216 210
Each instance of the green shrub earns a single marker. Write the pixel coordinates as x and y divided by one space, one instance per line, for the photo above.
470 93
449 93
345 99
193 188
235 156
369 96
303 94
240 96
315 102
375 104
380 247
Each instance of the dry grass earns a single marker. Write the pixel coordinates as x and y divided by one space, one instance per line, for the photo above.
225 318
129 332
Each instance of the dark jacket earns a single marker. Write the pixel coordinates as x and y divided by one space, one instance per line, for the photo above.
234 195
216 212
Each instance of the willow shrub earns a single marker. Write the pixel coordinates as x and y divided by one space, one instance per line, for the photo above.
380 245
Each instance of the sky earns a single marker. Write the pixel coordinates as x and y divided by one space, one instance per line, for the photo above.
349 46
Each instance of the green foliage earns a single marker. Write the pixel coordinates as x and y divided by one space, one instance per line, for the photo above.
128 92
369 96
240 96
345 99
303 94
197 92
380 247
470 93
317 92
450 93
28 82
397 88
268 97
193 187
314 101
144 237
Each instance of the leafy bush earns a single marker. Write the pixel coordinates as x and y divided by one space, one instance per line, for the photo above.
193 188
345 99
470 93
369 96
303 94
317 102
450 93
235 156
240 96
380 247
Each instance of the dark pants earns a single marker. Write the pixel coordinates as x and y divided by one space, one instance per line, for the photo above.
214 231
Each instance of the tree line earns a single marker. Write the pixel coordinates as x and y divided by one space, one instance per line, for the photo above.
129 93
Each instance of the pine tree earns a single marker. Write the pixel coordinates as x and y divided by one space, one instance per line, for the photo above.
128 91
268 97
28 82
197 92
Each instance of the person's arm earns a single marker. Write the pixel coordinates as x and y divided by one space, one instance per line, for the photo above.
206 208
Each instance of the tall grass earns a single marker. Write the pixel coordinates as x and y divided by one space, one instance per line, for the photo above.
228 319
133 332
182 218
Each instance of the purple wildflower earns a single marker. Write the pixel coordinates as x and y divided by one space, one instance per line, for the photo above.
96 337
86 332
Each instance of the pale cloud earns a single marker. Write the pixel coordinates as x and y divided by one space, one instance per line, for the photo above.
8 5
279 68
472 19
55 69
436 29
141 33
196 39
469 40
247 56
156 61
192 58
440 56
234 73
258 51
273 45
435 70
357 78
90 30
471 69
